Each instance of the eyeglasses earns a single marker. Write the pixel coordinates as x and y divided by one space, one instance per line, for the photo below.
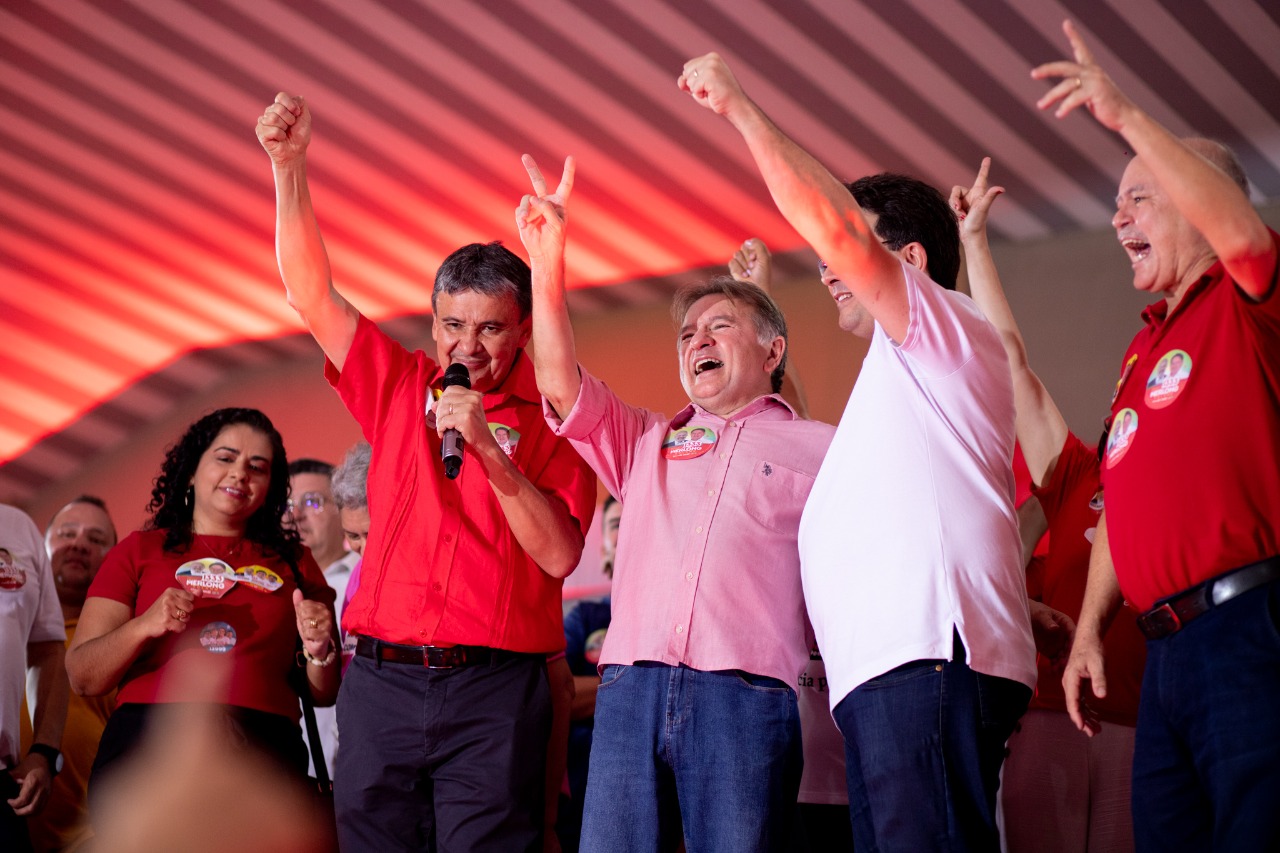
71 532
313 501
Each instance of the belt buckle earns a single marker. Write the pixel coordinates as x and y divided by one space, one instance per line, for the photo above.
434 657
1164 620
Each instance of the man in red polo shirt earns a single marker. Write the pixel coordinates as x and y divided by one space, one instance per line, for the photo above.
446 710
1192 518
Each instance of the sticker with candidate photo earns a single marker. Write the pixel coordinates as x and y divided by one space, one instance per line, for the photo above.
206 578
218 638
688 442
1168 378
594 645
12 576
259 578
507 438
1124 428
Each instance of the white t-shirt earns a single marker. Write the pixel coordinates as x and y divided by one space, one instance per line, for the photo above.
29 613
337 574
910 527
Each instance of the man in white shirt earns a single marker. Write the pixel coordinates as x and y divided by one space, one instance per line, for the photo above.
908 543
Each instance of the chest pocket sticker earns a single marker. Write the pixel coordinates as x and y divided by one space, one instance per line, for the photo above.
688 442
12 576
1123 431
1168 379
507 438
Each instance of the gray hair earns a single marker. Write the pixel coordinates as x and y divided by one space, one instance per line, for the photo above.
768 317
350 479
1220 155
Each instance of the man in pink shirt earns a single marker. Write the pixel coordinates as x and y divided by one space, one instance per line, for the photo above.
696 717
909 546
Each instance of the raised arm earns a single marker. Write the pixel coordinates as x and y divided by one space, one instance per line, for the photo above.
1211 201
285 132
752 262
542 220
1040 426
812 200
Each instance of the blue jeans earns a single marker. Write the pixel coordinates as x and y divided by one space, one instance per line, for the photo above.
923 748
1206 765
718 752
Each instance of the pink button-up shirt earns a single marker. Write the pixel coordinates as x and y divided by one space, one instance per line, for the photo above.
707 573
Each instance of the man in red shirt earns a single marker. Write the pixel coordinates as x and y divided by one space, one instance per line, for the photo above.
1192 518
446 711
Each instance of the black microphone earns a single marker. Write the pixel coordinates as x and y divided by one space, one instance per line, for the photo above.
452 442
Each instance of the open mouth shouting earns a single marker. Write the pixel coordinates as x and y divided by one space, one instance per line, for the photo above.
1137 249
702 365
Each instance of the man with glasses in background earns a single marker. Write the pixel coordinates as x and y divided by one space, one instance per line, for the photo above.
312 511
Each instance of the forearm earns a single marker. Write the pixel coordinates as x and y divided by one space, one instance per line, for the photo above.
555 358
1039 425
1102 596
95 666
818 206
304 265
324 681
584 697
561 681
300 251
1210 200
541 524
46 666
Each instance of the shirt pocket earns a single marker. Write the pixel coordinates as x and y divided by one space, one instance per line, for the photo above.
776 495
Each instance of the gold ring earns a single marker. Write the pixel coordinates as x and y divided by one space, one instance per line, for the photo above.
451 408
179 615
313 623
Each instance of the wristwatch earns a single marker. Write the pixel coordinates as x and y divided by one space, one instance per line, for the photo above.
51 755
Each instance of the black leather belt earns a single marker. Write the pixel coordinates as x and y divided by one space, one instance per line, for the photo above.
436 657
1171 614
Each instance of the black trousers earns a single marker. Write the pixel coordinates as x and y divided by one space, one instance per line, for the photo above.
13 829
442 760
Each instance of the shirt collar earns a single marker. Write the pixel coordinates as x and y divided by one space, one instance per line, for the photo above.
771 405
1158 312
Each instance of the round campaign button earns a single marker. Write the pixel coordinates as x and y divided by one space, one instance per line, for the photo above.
688 442
218 638
1168 378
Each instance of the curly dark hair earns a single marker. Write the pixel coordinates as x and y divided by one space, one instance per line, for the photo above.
169 507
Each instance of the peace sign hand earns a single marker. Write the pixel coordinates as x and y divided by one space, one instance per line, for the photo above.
543 217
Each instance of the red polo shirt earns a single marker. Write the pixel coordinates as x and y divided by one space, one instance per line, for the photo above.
1072 501
441 565
1192 468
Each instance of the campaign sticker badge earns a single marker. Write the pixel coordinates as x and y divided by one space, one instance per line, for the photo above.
1124 428
1124 376
12 576
259 578
688 442
1168 378
594 645
218 638
206 578
507 438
